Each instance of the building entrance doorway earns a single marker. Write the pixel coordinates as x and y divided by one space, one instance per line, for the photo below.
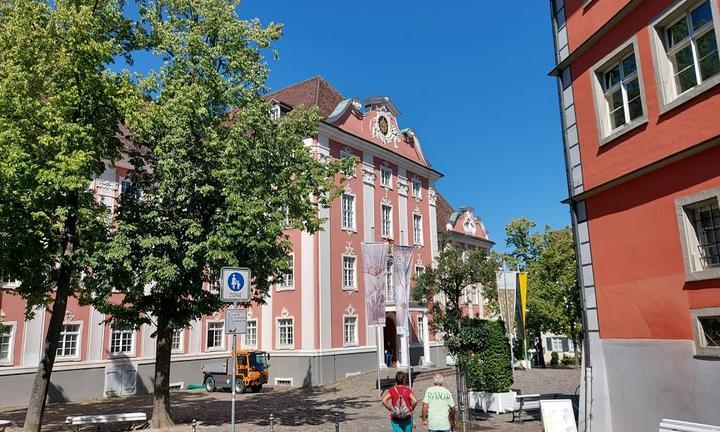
390 336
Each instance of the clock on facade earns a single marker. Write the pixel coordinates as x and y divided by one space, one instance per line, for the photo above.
383 125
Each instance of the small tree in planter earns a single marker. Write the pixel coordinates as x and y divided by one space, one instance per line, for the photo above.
486 360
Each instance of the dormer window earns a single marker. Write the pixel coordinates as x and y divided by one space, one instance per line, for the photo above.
275 113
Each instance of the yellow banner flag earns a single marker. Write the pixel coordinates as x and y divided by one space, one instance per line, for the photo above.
522 284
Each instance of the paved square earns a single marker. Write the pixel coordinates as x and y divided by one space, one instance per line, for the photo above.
353 400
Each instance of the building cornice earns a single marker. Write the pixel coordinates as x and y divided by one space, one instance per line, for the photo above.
364 145
662 163
589 42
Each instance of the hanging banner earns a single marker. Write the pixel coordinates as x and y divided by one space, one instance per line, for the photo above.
521 302
506 287
374 269
401 267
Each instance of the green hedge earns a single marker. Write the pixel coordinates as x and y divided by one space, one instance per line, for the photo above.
485 355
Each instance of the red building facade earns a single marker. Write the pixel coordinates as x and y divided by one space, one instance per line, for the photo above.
640 104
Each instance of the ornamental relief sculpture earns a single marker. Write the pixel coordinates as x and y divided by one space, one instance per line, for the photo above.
384 129
369 176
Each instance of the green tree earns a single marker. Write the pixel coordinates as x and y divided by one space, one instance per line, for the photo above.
553 298
215 183
59 114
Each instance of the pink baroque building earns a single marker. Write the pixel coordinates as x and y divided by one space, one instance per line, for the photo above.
463 230
313 324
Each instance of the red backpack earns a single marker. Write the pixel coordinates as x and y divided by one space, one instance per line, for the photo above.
400 409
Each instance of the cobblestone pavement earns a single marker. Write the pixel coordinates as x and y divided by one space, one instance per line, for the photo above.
353 400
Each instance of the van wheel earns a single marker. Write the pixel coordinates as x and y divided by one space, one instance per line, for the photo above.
240 386
210 384
256 388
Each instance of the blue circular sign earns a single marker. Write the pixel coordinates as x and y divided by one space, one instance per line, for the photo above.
235 282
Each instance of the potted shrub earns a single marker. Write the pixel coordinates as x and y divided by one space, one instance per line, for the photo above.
487 366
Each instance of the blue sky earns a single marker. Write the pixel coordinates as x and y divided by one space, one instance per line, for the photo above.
469 76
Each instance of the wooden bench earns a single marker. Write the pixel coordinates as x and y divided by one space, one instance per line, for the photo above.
5 424
78 421
667 425
528 402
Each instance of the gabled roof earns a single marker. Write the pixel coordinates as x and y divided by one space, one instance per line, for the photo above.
313 91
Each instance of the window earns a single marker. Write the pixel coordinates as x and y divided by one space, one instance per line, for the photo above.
6 282
686 50
287 280
621 89
556 344
419 270
699 225
416 187
348 272
6 344
386 177
68 343
251 333
417 229
386 220
706 328
122 341
177 341
389 286
421 328
274 112
215 339
286 333
348 212
571 345
619 94
692 48
350 330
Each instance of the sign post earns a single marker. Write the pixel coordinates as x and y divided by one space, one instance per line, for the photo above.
235 283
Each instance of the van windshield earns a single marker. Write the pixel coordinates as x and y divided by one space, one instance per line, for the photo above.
257 361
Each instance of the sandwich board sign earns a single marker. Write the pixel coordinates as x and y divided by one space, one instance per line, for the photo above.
235 284
557 415
236 321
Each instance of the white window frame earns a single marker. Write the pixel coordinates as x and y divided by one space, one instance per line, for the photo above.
416 187
689 242
419 270
208 348
8 284
245 336
133 344
280 345
356 332
287 281
386 171
554 341
606 133
386 225
181 348
275 112
668 96
417 229
701 348
12 326
353 213
78 344
354 286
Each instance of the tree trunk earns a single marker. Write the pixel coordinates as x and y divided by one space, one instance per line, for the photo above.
161 418
41 384
540 351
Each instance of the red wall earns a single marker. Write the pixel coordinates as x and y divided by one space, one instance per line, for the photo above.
664 134
637 255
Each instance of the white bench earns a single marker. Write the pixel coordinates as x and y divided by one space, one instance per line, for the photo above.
78 421
667 425
4 424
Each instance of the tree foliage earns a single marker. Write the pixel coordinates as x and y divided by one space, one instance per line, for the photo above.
60 109
553 298
216 182
442 287
485 355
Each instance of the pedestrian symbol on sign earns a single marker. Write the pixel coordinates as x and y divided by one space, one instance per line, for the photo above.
236 282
